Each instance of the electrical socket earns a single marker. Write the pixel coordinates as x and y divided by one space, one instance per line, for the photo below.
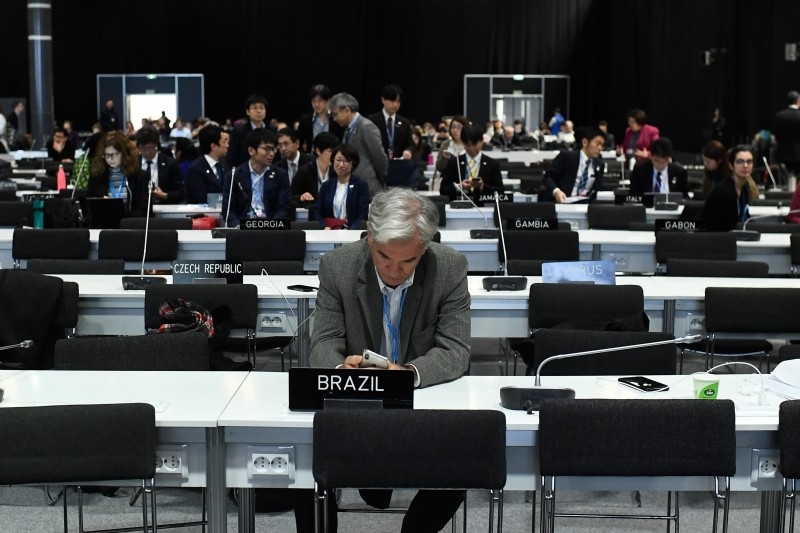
620 260
695 324
764 466
173 461
314 259
272 322
265 462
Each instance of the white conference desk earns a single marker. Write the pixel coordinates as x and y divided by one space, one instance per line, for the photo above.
670 302
631 251
258 415
187 404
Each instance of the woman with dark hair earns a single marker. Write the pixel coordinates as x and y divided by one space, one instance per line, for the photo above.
343 203
422 150
729 202
639 135
115 173
185 153
715 165
453 146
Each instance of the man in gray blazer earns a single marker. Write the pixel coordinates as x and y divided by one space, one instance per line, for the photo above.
365 136
401 295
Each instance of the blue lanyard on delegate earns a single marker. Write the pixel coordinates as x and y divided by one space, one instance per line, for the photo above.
118 194
394 333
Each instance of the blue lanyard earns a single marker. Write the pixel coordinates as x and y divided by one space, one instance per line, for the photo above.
118 194
394 333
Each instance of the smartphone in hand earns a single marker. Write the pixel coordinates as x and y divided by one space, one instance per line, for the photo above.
370 359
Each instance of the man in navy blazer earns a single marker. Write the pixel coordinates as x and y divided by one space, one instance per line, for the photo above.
206 173
257 175
162 170
474 172
400 145
659 174
576 173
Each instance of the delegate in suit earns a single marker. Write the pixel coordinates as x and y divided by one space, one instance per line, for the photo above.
475 173
576 173
161 169
658 174
207 173
399 294
787 133
260 189
395 130
363 134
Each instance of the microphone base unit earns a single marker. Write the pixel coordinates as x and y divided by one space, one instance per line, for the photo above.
486 233
140 283
221 233
505 283
666 206
529 398
746 235
460 204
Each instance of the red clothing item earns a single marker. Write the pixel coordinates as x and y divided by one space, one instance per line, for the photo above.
647 135
794 218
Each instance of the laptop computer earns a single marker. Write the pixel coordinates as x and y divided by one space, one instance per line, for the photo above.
104 213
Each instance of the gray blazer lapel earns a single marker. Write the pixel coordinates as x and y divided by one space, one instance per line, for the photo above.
411 306
369 298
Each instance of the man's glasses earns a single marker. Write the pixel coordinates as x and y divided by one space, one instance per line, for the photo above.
269 149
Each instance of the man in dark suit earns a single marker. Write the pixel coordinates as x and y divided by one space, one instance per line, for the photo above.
260 189
60 148
475 173
162 170
787 134
402 295
309 178
658 174
576 173
291 156
109 119
364 135
207 173
255 107
395 130
314 123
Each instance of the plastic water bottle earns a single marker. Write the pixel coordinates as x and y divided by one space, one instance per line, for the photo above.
38 213
61 178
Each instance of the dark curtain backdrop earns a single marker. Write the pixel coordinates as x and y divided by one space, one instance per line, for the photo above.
620 54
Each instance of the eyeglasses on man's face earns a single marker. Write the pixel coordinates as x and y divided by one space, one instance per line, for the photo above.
268 148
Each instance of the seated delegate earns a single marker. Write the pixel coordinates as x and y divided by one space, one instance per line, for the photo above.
343 203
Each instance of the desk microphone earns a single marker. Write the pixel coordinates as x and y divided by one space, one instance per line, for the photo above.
504 282
466 203
769 171
745 234
80 171
141 282
528 399
230 195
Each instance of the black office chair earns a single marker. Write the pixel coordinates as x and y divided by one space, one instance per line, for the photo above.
692 209
70 243
789 465
38 308
16 214
636 438
794 253
77 266
305 224
600 216
655 360
453 440
774 314
524 210
527 250
163 352
169 352
128 245
704 245
717 268
156 223
580 307
70 444
241 301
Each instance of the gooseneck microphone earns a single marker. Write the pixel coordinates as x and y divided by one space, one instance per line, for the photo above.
769 171
745 234
24 345
141 282
230 195
504 282
529 398
466 203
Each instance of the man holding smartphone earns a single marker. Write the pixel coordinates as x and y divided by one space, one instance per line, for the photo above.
475 173
405 297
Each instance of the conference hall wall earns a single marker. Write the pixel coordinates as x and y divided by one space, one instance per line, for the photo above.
619 53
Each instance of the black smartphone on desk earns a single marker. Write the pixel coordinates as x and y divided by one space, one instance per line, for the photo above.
301 288
643 384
